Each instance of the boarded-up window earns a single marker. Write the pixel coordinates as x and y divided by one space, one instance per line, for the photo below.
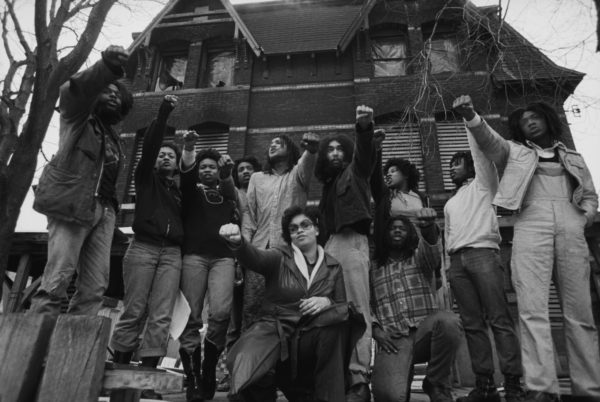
171 73
219 68
403 140
389 56
209 138
452 137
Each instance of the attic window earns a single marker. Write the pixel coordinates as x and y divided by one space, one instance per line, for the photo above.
171 74
389 50
219 68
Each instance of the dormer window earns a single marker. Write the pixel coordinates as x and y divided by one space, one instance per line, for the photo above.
219 68
389 51
171 72
441 48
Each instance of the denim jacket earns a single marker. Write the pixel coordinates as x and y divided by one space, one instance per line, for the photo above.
517 164
69 182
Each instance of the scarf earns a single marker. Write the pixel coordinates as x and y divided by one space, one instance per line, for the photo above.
301 263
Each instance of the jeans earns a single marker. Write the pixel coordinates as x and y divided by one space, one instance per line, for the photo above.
151 278
477 281
198 274
351 249
76 248
435 342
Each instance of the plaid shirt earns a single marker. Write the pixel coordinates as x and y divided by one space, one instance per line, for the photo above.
401 294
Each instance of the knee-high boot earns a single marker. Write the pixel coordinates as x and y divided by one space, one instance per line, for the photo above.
191 368
209 369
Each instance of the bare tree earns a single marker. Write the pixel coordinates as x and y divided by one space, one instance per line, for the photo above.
31 83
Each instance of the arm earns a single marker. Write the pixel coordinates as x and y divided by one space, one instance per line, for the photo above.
428 256
249 217
153 139
306 163
485 170
493 146
377 185
589 199
264 262
78 95
339 289
362 160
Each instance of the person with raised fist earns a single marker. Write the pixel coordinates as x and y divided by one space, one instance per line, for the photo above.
552 193
284 182
344 169
152 263
77 188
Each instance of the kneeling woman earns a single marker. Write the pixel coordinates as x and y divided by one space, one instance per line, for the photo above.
306 327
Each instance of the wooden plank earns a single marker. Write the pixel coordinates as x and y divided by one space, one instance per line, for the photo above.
16 292
23 344
75 363
124 377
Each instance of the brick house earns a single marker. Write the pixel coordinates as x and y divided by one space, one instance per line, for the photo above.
246 73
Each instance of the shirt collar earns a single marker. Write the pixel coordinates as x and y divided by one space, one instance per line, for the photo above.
545 152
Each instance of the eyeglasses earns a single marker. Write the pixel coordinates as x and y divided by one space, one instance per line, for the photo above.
304 225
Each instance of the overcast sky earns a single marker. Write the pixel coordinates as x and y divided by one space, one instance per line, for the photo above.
563 29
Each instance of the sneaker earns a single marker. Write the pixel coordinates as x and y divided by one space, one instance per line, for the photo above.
437 392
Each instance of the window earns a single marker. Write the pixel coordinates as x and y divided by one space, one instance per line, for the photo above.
171 73
442 54
389 56
219 68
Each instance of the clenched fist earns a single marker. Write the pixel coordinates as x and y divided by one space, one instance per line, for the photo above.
310 142
364 116
231 233
378 138
225 166
115 56
189 140
426 217
168 104
463 105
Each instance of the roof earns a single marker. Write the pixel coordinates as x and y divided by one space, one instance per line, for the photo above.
290 26
518 59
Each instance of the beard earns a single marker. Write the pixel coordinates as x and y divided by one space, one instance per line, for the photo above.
107 115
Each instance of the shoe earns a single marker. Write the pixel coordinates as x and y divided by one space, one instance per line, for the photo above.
484 391
513 391
437 392
359 393
150 394
122 357
209 369
540 396
223 385
193 379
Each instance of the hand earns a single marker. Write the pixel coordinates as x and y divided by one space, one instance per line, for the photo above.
189 140
225 166
364 116
426 217
463 105
385 339
314 305
310 142
168 104
378 138
115 56
231 233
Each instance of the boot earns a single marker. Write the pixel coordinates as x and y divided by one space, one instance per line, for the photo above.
191 368
485 391
513 392
122 357
209 369
151 362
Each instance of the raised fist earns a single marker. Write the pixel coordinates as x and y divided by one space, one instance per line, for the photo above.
189 140
464 106
168 104
115 56
364 116
426 217
225 166
231 233
378 138
310 142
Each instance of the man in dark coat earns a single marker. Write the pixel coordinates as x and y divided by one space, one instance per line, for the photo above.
77 189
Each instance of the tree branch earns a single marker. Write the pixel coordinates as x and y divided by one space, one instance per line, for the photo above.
17 27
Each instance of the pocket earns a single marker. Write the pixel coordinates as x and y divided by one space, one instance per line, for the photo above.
59 192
